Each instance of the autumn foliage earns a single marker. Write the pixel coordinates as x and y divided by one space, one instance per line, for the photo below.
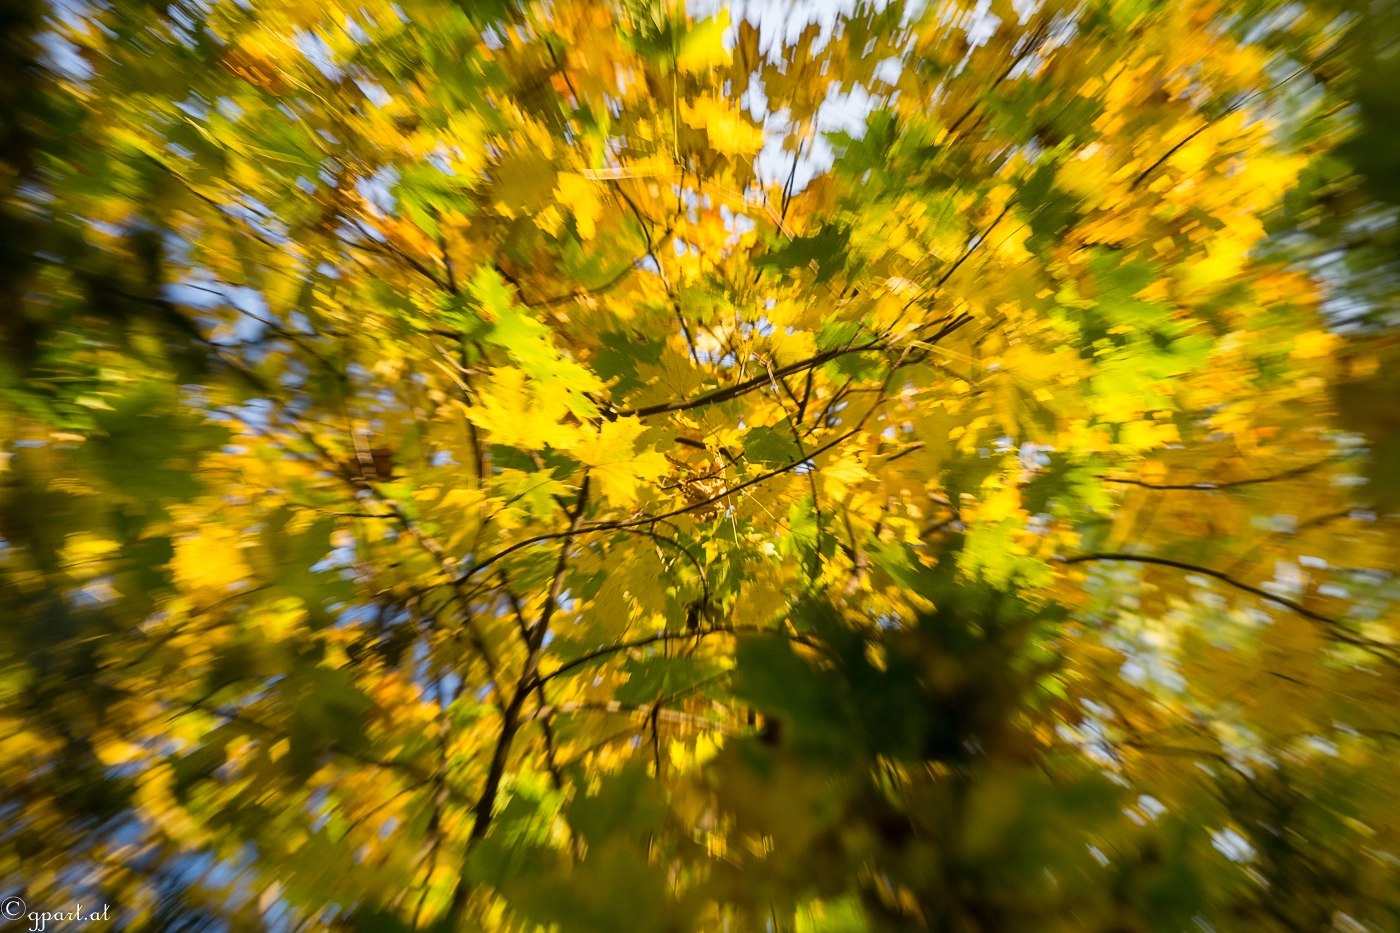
603 466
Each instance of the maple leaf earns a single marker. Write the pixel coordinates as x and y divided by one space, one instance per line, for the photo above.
516 415
614 463
724 125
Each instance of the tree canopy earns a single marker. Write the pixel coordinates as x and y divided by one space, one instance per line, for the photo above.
600 465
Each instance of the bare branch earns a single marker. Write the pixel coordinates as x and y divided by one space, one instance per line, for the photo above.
1339 631
1206 487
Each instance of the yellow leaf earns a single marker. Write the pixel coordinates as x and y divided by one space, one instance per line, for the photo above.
86 555
614 464
210 559
703 47
839 476
1000 504
581 196
516 417
764 592
722 121
1148 434
1313 344
549 220
282 618
114 751
673 377
791 347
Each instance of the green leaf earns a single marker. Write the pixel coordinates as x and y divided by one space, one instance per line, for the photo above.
772 445
826 248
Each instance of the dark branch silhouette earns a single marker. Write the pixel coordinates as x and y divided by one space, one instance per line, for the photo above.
1233 484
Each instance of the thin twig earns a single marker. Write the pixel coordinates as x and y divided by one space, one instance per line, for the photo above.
1286 474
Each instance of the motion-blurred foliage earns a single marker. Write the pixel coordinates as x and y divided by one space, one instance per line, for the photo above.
603 466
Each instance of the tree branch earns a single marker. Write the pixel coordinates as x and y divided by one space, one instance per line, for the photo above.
1205 487
1204 571
650 519
1338 630
723 395
674 636
695 561
535 642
